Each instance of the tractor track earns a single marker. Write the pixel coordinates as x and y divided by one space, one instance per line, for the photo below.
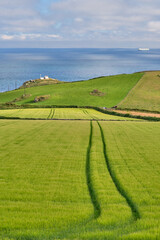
92 192
50 113
118 185
53 112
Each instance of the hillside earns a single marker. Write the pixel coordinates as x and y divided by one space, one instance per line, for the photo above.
112 89
145 95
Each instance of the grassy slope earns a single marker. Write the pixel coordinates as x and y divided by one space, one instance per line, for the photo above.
78 93
145 95
43 186
59 113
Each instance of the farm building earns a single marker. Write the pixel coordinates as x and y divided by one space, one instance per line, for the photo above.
45 77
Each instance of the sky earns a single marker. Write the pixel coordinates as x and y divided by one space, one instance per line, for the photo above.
80 23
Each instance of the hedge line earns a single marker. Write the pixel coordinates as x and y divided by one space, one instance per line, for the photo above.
105 111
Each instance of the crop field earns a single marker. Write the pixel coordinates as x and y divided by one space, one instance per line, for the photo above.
60 113
80 113
113 88
26 113
79 180
145 95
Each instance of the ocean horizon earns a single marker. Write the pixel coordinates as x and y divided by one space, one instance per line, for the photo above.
18 65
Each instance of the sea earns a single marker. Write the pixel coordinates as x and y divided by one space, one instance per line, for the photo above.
18 65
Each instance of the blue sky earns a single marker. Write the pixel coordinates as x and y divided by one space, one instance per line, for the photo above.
80 23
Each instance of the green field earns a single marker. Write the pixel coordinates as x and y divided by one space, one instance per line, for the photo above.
79 180
145 95
115 88
59 113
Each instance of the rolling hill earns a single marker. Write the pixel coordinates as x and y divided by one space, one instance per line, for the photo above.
145 95
113 90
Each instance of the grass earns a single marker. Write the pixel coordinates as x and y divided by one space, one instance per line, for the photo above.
133 150
26 113
115 88
43 189
119 187
54 175
145 95
59 113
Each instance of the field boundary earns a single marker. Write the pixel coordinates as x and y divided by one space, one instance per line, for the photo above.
119 187
92 193
67 119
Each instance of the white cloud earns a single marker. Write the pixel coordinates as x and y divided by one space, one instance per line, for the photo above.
53 36
101 20
29 36
22 16
78 19
154 26
7 37
85 20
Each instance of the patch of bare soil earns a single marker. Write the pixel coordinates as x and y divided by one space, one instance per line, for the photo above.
96 92
135 113
24 96
41 98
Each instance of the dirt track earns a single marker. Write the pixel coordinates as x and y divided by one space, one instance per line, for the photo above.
135 113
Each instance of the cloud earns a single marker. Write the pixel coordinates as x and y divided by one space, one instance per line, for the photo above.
7 37
85 20
30 36
154 26
53 36
78 19
22 16
107 20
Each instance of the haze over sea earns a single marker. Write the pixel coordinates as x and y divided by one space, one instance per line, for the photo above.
20 65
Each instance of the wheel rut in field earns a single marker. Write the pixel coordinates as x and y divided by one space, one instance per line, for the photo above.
119 187
90 115
93 196
50 113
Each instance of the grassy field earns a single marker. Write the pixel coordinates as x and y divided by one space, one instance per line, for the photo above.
79 180
42 178
135 147
114 88
60 113
145 95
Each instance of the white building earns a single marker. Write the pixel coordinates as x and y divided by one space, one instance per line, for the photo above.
45 77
